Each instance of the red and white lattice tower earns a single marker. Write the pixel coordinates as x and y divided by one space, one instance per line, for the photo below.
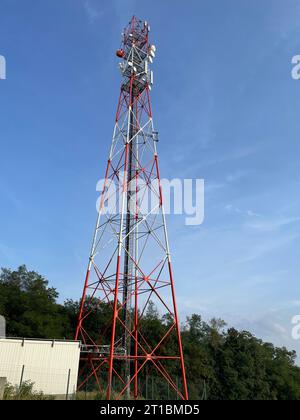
130 265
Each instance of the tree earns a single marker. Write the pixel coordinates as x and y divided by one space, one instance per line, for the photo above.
233 365
29 305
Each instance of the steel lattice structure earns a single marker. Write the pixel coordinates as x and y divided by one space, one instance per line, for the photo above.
130 263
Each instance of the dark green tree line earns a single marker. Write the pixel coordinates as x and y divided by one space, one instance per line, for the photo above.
233 365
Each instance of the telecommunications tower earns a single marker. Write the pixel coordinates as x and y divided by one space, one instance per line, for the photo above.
129 277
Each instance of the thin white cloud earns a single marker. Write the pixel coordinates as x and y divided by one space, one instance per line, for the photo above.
261 249
236 176
271 225
230 208
252 213
93 10
213 186
235 155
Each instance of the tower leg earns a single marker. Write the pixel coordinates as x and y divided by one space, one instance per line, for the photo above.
116 290
186 395
113 333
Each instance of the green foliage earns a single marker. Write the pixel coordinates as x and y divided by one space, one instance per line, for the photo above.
224 364
29 305
24 392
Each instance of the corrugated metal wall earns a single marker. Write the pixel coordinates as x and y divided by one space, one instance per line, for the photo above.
46 363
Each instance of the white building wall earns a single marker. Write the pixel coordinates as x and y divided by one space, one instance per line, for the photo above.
46 363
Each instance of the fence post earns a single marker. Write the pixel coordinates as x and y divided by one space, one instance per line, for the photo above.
22 376
152 388
68 384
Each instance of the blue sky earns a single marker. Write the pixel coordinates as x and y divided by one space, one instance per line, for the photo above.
227 111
